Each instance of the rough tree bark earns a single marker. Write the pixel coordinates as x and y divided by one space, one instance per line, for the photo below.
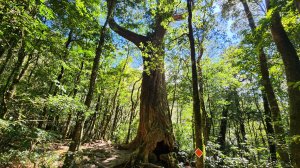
196 99
269 92
154 133
292 69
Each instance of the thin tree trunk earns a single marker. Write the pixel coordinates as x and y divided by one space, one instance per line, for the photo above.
261 134
67 127
17 79
98 108
75 90
196 99
62 68
7 59
117 92
105 113
58 79
269 131
175 87
241 120
13 75
206 121
76 137
271 98
237 134
211 114
106 122
223 128
133 108
113 126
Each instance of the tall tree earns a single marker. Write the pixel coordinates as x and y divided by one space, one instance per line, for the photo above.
269 91
196 99
292 71
155 132
76 137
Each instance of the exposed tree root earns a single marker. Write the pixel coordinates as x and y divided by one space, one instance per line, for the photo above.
140 158
150 165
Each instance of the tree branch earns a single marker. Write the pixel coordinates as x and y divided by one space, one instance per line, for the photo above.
178 17
127 34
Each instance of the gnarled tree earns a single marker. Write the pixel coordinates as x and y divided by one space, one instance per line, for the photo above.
154 133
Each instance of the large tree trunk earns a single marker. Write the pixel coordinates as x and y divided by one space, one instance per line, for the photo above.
292 70
155 134
268 89
196 99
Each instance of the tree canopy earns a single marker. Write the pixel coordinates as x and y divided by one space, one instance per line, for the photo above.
132 83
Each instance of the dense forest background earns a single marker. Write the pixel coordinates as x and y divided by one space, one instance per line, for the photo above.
131 83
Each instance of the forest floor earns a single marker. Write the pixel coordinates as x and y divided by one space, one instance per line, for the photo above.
94 154
25 147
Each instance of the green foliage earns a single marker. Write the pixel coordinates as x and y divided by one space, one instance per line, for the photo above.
58 35
16 135
63 104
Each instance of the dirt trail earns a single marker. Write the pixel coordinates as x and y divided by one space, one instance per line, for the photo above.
96 154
